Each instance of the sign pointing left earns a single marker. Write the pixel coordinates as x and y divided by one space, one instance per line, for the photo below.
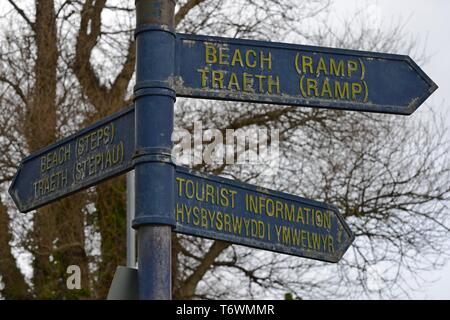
96 153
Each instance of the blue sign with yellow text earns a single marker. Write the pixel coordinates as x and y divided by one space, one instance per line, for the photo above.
96 153
223 209
287 74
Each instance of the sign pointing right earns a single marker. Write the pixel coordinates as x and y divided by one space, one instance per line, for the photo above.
223 209
289 74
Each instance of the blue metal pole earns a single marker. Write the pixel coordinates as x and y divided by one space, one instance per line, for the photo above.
131 233
154 171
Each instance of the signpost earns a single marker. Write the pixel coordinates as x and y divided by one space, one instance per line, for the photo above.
223 209
96 153
288 74
154 98
170 198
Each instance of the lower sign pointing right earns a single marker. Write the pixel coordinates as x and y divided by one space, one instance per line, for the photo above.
222 209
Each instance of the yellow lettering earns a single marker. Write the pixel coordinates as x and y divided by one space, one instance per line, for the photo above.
251 203
311 85
179 212
55 158
195 213
237 57
50 183
296 237
352 66
219 223
210 53
265 59
204 218
247 84
286 235
341 92
43 164
233 82
279 208
307 62
224 202
233 197
289 210
250 64
272 83
336 69
321 67
269 207
327 220
217 78
307 211
198 196
223 55
356 90
316 241
189 194
319 218
278 231
203 73
262 202
330 244
227 222
326 89
300 215
209 193
237 224
260 82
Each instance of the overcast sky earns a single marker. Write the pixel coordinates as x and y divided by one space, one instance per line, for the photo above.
430 22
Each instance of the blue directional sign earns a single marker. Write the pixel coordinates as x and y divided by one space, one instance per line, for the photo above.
280 73
223 209
96 153
205 205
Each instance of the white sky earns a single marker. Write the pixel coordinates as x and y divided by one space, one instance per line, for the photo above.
430 21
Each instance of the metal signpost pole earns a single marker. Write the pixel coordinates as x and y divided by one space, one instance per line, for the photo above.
154 171
131 233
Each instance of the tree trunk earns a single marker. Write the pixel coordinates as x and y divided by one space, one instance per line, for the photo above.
58 236
12 277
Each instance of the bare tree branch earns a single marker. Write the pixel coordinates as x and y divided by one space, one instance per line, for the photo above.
22 14
185 9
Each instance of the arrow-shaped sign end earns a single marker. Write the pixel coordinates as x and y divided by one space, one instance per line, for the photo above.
344 239
430 84
14 191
